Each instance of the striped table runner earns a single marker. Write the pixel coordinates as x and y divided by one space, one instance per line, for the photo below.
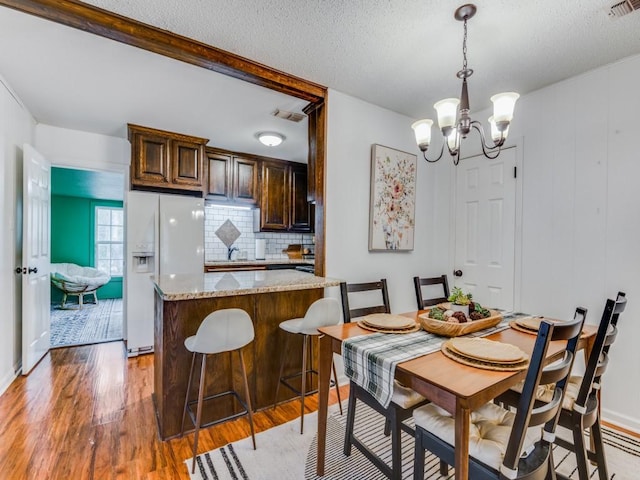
370 360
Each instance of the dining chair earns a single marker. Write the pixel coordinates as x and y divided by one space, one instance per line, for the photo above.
403 399
502 444
321 313
581 408
225 330
431 282
364 291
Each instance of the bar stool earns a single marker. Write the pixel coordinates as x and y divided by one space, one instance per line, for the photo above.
226 330
321 313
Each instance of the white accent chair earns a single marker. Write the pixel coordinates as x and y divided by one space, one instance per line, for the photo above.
226 330
75 280
321 313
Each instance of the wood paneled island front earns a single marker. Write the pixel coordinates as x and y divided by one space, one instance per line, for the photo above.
183 301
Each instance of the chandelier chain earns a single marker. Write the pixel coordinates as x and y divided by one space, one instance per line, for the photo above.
464 47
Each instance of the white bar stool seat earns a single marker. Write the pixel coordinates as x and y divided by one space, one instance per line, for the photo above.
321 313
226 330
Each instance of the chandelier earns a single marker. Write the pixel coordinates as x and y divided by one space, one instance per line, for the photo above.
455 128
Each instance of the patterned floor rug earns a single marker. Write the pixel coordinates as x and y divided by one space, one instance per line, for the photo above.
91 324
280 451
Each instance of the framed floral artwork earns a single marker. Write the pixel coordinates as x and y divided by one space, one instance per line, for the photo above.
393 199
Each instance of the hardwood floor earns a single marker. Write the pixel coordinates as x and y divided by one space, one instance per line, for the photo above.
87 413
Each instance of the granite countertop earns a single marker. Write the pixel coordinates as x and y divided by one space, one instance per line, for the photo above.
225 284
271 261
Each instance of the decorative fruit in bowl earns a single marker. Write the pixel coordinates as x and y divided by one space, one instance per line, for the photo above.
447 313
444 322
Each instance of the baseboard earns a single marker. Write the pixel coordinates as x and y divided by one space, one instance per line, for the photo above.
622 421
8 379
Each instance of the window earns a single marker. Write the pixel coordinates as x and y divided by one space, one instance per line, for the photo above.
109 240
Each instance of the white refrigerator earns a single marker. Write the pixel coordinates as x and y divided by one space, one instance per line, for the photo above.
165 235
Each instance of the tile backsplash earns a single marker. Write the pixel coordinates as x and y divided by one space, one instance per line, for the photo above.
215 250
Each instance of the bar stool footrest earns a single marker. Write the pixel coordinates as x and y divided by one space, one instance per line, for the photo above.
192 415
283 381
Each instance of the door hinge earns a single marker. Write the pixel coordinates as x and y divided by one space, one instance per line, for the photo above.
515 172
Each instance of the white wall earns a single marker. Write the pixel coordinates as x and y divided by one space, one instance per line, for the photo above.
16 128
581 211
84 150
353 126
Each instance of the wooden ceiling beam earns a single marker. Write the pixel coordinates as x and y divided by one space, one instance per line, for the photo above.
131 32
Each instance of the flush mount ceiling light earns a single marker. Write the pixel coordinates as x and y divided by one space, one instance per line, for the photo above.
454 128
270 139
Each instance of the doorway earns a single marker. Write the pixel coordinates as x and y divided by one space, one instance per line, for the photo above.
87 256
485 228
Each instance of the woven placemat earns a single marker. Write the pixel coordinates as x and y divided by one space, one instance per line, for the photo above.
415 328
498 367
487 350
388 321
519 328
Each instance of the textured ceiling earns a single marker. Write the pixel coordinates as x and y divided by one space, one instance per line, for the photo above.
401 55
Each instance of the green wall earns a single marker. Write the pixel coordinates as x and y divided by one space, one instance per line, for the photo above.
72 220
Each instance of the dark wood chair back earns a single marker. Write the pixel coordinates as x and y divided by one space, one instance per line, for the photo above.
429 302
599 356
544 413
347 288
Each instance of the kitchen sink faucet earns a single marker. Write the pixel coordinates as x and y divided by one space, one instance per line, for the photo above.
230 252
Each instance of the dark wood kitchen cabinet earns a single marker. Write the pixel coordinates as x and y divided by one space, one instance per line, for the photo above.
162 160
301 218
276 190
232 178
284 205
219 173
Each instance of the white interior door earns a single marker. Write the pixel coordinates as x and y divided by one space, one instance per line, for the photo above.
36 258
484 262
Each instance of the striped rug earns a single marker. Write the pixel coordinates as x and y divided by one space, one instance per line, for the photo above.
283 453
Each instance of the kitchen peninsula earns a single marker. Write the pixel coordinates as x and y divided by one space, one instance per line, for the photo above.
183 301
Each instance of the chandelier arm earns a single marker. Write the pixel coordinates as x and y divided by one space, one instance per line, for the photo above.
486 149
424 154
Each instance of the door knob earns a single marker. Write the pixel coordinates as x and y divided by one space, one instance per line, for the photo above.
33 270
457 273
20 270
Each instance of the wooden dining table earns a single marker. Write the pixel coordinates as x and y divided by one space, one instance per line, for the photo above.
457 388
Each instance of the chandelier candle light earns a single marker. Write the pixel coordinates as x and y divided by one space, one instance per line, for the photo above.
453 128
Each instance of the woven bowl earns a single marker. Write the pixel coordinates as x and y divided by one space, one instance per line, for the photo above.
449 329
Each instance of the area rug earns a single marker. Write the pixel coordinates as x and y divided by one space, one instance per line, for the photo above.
91 324
282 453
